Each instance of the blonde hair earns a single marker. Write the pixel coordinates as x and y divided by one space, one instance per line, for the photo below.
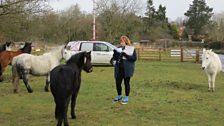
125 39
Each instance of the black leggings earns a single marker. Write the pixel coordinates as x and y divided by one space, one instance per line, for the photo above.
119 79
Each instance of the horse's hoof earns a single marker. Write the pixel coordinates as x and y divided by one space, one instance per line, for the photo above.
209 90
73 117
30 91
46 90
15 91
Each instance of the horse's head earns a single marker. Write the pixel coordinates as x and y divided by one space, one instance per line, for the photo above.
66 54
8 45
87 62
27 47
206 58
82 60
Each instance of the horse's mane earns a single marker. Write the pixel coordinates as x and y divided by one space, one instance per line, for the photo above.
77 59
56 49
210 52
57 52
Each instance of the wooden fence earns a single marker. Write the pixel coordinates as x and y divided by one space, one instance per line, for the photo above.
187 54
149 53
183 54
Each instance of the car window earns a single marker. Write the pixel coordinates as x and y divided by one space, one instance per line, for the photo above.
100 47
111 47
86 46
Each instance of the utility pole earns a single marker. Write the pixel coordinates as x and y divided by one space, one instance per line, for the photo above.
94 20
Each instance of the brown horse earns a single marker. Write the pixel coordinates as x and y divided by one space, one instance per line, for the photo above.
7 56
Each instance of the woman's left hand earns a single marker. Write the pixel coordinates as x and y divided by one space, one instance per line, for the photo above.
124 54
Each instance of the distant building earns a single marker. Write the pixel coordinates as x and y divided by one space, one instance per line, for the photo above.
145 43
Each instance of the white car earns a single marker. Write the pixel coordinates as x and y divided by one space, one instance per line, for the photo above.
101 52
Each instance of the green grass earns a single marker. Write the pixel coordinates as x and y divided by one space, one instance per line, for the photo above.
163 93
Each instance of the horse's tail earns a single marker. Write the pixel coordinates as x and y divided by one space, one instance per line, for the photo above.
61 95
15 75
59 100
60 107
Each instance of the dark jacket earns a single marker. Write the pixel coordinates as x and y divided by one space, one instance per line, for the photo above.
128 63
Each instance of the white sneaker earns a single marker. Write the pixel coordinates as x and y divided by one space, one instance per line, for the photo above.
124 102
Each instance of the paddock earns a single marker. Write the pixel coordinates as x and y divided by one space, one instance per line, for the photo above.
162 93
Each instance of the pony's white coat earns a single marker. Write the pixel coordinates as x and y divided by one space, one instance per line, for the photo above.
42 64
37 65
212 65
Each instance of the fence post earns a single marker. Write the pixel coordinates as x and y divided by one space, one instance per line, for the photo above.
159 54
181 55
197 56
138 50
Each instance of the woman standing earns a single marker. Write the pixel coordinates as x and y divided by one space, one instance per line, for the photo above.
125 56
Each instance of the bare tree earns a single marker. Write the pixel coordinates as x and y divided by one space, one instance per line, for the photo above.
9 7
118 17
217 29
124 6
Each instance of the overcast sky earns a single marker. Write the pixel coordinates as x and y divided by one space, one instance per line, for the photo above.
174 8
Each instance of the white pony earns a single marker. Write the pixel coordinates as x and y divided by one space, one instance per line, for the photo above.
25 64
212 65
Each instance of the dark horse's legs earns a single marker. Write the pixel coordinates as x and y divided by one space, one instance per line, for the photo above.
73 107
59 122
25 80
74 97
47 83
66 111
1 72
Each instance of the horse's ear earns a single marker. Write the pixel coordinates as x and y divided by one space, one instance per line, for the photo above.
210 50
204 49
67 47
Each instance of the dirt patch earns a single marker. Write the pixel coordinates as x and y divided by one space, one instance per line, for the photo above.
2 121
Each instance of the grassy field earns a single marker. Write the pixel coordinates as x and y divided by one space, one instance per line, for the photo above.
163 93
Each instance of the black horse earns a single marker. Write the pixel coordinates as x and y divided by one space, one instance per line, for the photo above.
4 46
65 82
